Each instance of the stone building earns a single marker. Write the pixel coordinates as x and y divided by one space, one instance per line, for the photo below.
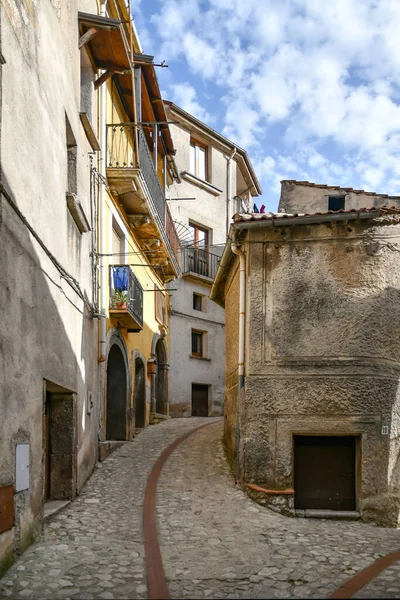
316 355
216 179
48 333
86 241
136 233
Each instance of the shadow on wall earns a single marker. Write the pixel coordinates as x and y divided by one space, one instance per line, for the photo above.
41 319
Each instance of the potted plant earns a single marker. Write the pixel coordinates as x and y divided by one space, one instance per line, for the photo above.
119 298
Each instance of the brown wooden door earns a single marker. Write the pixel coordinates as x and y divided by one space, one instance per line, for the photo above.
199 400
324 472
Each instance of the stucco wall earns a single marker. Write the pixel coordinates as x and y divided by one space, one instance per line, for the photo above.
322 352
303 198
45 332
185 369
207 210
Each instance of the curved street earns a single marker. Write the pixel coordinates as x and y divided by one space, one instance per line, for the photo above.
215 542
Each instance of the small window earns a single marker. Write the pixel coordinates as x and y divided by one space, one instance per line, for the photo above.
197 343
336 203
198 160
197 302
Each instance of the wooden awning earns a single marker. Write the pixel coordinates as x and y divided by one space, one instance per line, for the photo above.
149 80
105 39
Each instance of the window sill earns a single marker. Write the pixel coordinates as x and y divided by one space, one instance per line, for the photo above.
200 357
201 183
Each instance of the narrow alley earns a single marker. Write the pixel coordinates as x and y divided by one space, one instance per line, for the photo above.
215 542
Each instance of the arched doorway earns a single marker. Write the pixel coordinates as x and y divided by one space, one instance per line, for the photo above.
140 394
161 383
117 393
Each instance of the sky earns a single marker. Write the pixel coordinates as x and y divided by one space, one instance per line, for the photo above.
310 88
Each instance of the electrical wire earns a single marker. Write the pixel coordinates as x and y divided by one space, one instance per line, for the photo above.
72 282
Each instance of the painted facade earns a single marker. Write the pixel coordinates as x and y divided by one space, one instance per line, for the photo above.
215 180
319 407
86 251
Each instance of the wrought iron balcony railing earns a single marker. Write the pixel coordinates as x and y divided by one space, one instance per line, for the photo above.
121 155
151 177
126 296
120 146
200 262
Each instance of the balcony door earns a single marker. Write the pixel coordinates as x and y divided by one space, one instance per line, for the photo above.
197 254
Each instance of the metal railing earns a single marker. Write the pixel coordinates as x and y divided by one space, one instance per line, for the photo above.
121 146
199 261
173 236
126 293
150 174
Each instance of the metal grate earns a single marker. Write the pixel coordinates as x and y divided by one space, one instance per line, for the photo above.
126 292
151 177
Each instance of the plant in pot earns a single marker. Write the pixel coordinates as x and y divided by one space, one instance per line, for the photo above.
119 298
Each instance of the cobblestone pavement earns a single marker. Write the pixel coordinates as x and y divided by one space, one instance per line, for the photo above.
217 543
94 548
385 585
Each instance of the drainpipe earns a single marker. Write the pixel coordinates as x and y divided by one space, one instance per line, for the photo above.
228 191
242 318
102 211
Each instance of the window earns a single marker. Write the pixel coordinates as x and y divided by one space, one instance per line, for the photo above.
198 160
197 343
198 301
336 202
197 257
198 236
117 244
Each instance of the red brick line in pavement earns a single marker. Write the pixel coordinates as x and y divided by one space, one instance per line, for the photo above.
156 583
353 585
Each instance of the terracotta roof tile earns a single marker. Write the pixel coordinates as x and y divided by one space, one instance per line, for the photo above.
382 210
336 187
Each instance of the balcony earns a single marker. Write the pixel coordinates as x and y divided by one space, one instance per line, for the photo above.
133 179
127 171
126 298
199 263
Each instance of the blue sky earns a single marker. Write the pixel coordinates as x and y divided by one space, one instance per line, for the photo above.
310 88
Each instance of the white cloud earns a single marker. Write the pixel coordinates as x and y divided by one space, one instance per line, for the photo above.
185 96
323 76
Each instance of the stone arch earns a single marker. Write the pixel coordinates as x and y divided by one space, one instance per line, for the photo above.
139 389
160 377
118 388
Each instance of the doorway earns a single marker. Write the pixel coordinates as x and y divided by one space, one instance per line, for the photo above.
199 400
116 395
161 381
325 472
59 444
140 394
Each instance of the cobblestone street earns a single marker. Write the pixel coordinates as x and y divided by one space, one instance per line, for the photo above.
215 542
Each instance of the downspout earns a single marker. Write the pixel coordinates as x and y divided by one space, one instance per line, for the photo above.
102 211
242 319
228 191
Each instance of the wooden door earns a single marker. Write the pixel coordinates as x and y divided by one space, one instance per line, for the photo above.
324 472
199 400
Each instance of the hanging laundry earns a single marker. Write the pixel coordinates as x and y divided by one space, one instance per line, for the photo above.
255 208
121 278
262 209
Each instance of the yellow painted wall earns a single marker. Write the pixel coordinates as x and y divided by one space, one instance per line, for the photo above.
135 258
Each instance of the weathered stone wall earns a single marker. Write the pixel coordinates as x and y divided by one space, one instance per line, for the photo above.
45 331
231 361
310 198
323 352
